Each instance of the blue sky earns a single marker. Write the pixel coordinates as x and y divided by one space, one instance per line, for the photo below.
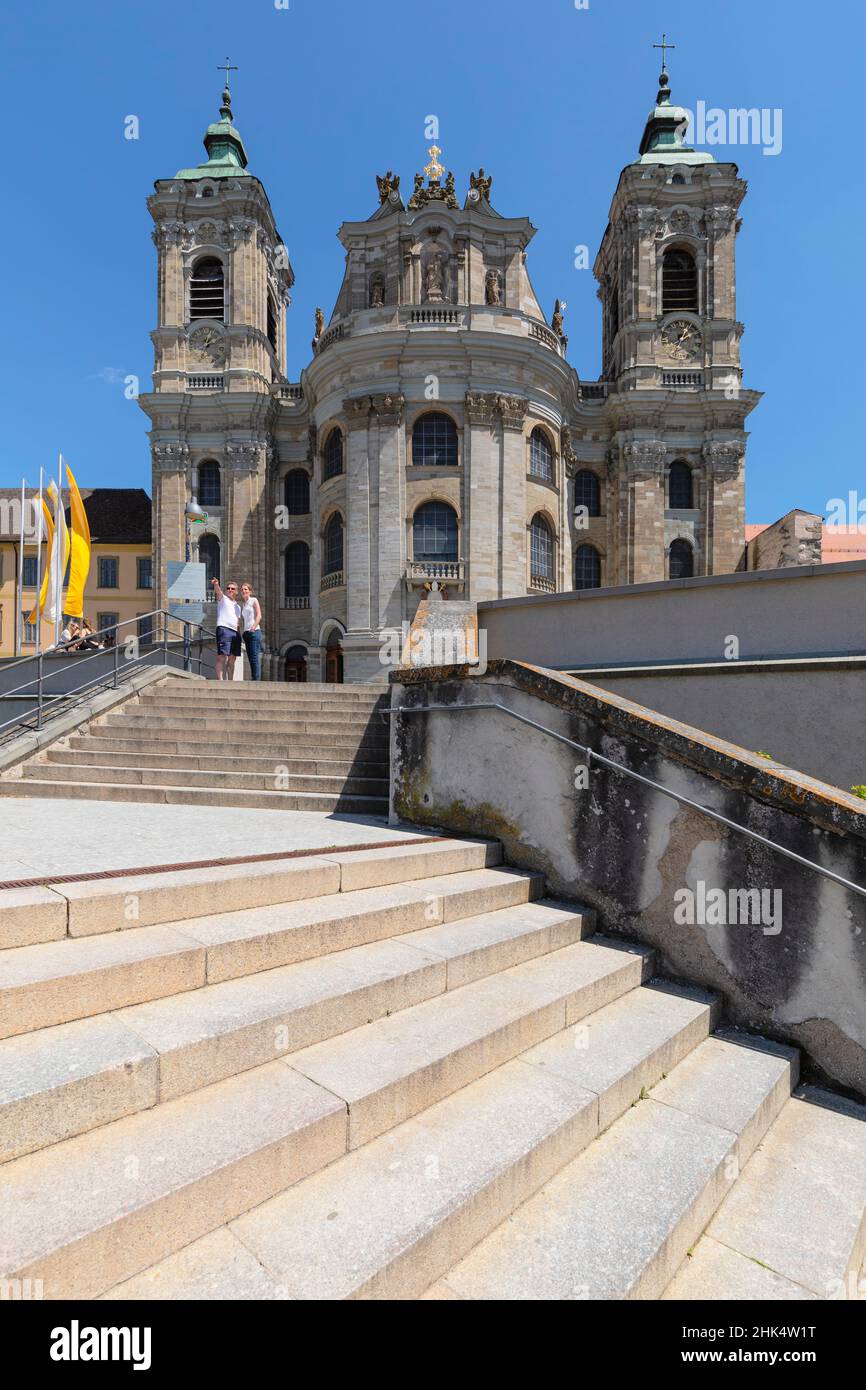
549 98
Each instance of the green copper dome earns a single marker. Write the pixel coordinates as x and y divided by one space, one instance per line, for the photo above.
664 132
227 158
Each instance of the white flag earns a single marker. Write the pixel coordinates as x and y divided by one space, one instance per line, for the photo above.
61 539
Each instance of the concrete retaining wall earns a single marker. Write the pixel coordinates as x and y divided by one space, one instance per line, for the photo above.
810 715
813 610
636 855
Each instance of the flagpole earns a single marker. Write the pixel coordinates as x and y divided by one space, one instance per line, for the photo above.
19 592
59 547
38 609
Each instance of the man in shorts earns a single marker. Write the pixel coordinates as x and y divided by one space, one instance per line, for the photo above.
227 630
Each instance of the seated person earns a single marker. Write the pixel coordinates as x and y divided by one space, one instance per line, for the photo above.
89 642
70 637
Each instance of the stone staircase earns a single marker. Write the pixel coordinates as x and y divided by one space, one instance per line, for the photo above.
313 748
393 1073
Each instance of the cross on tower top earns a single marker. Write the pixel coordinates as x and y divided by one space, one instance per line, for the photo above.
664 46
228 67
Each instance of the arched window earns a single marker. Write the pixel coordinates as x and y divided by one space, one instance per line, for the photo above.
332 455
680 486
434 532
587 568
434 441
540 548
540 456
296 492
297 570
206 290
209 488
587 492
677 178
679 283
681 560
272 323
209 556
332 549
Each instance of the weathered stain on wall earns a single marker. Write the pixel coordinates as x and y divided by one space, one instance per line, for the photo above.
628 850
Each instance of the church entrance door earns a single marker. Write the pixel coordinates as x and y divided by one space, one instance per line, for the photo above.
334 660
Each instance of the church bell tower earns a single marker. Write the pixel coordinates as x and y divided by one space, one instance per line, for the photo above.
223 278
671 356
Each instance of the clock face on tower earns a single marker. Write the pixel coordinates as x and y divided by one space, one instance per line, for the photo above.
681 340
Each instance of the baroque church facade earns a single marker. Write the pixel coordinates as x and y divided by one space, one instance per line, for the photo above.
438 434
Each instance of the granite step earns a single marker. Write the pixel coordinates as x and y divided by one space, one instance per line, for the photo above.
81 908
181 775
102 756
274 690
197 718
92 1210
56 982
389 1218
345 803
73 1218
155 700
64 1080
794 1225
617 1222
368 747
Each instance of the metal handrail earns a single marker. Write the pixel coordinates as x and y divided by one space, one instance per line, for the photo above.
110 677
592 756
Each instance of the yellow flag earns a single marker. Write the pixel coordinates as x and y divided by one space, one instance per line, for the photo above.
48 523
80 566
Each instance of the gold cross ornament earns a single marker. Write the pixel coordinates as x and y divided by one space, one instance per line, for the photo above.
434 170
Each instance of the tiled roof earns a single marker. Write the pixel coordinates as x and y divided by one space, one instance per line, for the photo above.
116 515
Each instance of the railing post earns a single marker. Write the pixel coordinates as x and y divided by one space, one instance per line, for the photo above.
116 650
39 695
187 662
165 639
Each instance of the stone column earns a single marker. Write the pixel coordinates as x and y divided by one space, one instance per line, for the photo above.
360 644
315 547
721 225
170 462
270 594
511 539
246 525
356 554
387 512
644 527
567 470
725 516
481 515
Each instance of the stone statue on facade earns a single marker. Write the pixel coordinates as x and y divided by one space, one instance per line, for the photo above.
377 292
492 291
557 322
482 183
387 184
433 279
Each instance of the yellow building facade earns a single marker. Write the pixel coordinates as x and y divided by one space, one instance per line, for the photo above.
119 586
